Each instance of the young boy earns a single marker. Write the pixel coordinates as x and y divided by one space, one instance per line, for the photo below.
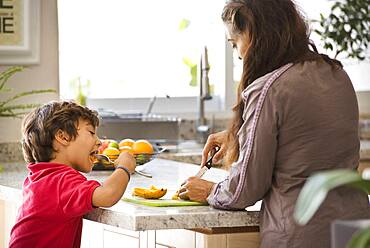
59 141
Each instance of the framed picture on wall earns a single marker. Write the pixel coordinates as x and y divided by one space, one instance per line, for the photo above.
19 32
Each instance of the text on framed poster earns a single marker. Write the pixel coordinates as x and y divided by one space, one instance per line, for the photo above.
11 30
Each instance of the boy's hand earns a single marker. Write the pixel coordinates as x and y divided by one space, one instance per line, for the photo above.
115 185
127 160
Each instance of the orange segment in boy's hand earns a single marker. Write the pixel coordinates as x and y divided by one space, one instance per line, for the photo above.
126 142
142 146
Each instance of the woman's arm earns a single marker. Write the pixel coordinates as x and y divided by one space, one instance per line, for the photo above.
251 176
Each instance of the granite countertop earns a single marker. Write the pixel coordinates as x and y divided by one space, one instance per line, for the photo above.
195 157
166 173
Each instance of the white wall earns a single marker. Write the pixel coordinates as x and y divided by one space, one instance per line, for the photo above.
41 76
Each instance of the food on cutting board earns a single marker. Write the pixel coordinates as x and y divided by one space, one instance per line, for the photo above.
176 196
151 193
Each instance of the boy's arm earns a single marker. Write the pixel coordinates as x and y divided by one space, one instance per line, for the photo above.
113 188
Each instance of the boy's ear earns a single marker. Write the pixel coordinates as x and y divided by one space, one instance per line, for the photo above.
62 137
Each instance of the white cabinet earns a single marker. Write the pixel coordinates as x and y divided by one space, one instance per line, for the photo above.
8 215
178 238
92 234
96 235
114 237
118 240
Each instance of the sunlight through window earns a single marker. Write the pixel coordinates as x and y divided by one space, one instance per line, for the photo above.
129 49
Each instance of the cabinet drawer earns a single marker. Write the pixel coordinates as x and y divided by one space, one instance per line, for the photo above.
175 238
116 240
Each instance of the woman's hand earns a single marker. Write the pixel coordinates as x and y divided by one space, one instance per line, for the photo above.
214 141
196 189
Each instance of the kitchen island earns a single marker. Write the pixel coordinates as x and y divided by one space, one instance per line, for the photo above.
205 226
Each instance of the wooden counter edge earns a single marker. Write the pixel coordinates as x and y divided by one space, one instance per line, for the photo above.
226 230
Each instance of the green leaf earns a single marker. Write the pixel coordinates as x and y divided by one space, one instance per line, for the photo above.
361 239
193 73
15 115
5 75
27 93
5 90
184 23
317 187
328 46
188 62
7 110
18 107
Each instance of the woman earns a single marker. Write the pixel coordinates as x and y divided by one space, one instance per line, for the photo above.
296 114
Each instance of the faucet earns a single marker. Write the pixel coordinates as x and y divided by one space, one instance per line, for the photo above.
151 104
204 95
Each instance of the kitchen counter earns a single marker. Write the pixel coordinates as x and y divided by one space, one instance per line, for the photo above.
365 150
167 174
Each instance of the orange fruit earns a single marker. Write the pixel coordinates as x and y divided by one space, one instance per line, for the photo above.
126 142
111 152
126 149
142 146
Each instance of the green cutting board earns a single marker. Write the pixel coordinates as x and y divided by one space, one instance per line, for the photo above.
162 202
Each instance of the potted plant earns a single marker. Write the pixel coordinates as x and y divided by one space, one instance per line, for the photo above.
7 107
346 29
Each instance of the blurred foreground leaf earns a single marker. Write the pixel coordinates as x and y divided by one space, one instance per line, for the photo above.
317 187
361 239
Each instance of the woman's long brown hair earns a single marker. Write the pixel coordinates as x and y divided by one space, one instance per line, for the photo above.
278 35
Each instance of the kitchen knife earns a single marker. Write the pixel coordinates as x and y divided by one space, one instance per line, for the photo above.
205 167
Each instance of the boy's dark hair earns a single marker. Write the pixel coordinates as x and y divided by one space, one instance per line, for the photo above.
40 126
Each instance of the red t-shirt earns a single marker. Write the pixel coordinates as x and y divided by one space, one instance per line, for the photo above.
55 197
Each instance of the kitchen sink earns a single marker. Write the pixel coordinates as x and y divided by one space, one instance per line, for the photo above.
139 126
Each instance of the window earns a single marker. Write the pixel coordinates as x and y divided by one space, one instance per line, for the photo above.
139 49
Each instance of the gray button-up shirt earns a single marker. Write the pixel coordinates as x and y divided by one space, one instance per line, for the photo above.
298 119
